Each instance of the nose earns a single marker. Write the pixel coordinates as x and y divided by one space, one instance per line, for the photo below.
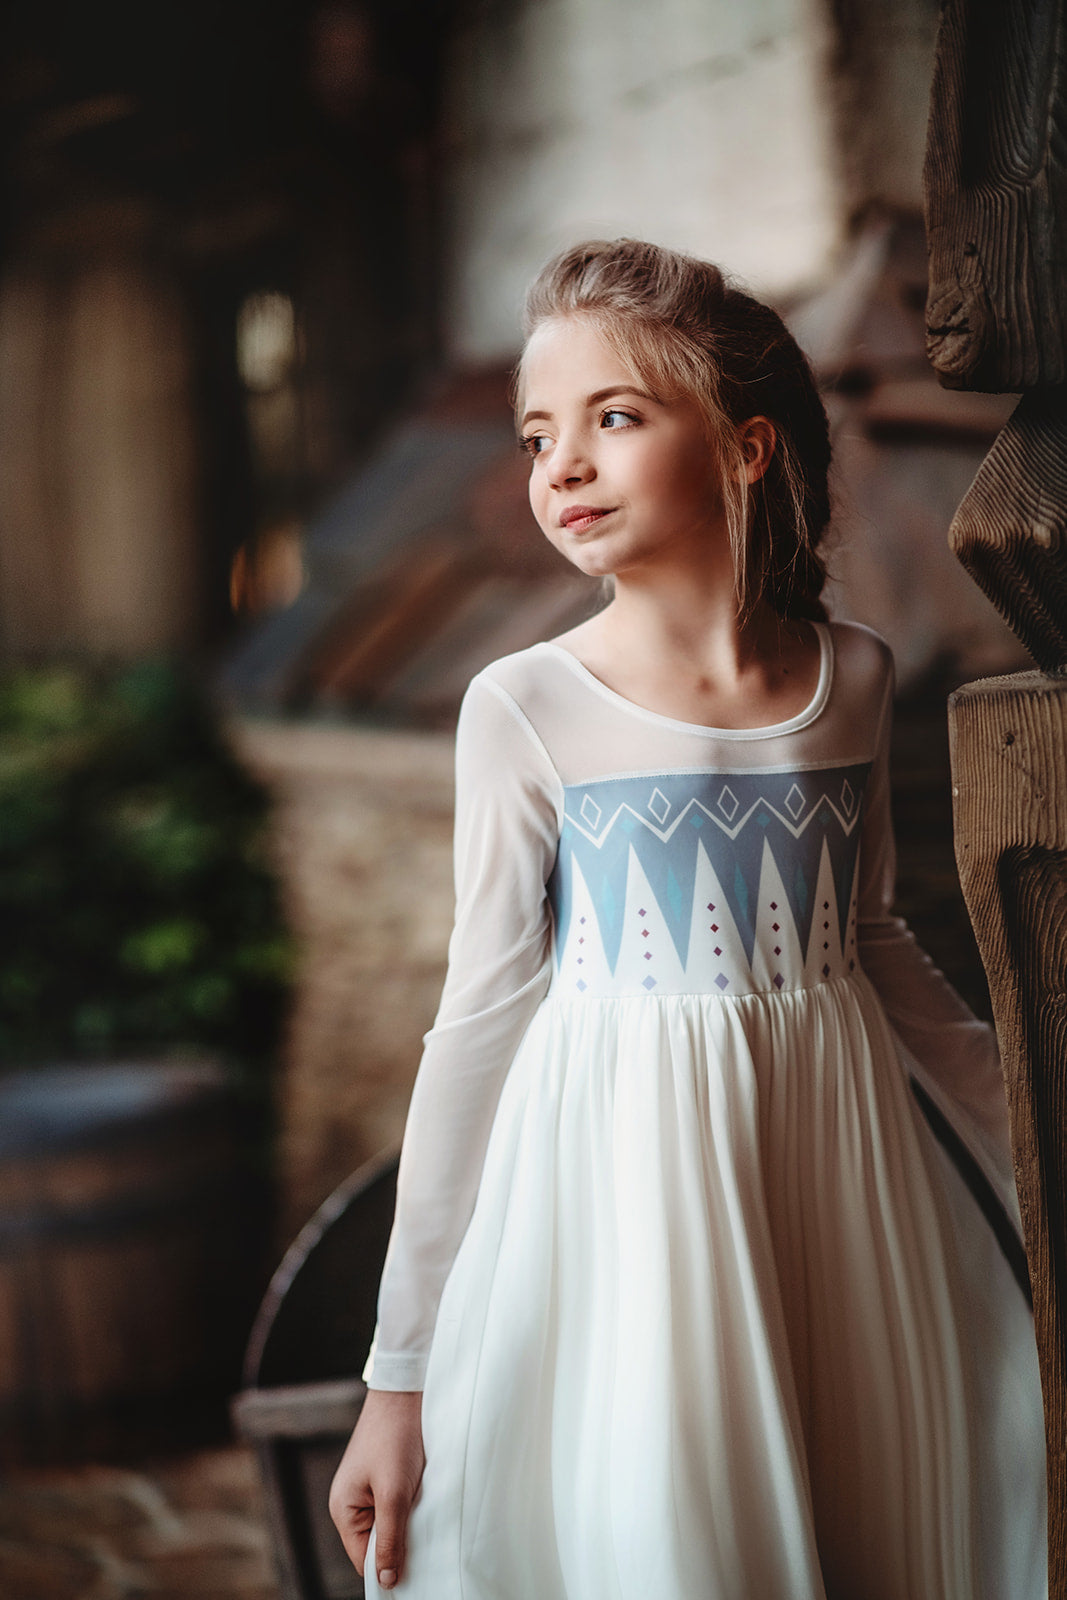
570 462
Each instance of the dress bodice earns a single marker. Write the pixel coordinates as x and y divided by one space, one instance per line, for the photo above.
716 882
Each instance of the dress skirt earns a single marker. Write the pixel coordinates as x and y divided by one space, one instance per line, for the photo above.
725 1325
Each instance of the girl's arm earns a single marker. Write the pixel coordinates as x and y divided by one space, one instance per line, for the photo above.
508 807
956 1053
508 811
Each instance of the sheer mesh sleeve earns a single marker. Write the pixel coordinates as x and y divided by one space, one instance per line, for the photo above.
508 810
956 1053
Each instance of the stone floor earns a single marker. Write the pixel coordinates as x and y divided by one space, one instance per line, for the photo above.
191 1528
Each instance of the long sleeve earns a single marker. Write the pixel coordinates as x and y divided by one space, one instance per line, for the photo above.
956 1053
508 810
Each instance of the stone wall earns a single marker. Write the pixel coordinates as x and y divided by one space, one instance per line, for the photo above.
704 127
363 836
752 134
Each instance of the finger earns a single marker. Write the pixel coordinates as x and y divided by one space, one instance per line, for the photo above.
354 1524
392 1520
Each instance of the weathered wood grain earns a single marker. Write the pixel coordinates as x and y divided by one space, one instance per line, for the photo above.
1008 740
995 184
1010 531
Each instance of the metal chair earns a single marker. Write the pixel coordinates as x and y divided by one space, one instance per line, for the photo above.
300 1399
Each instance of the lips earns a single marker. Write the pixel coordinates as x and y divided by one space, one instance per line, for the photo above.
578 518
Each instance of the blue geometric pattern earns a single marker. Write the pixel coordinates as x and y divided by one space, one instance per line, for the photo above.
668 818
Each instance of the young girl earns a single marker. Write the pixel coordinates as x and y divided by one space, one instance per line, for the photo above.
702 1308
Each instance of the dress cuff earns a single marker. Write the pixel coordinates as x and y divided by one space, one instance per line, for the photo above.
398 1372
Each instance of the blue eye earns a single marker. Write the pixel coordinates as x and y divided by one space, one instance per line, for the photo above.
532 444
625 420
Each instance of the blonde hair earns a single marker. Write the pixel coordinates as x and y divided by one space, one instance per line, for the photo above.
685 331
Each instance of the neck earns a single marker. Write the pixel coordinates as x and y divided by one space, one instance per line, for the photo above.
694 624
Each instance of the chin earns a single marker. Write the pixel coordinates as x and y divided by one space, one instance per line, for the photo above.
594 567
595 563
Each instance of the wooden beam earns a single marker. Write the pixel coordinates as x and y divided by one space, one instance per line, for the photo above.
1010 531
996 217
1009 766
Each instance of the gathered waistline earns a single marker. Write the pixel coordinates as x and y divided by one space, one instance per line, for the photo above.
580 1002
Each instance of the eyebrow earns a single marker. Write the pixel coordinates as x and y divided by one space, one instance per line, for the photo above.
592 400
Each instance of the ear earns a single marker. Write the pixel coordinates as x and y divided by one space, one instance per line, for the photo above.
758 439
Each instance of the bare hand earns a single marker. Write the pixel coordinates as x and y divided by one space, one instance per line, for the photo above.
378 1479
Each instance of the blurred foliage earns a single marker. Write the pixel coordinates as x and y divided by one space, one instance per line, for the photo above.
138 907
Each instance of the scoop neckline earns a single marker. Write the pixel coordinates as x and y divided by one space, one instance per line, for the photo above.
769 730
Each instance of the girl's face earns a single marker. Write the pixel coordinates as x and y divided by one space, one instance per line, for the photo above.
618 480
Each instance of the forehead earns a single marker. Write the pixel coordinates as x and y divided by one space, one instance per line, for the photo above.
571 353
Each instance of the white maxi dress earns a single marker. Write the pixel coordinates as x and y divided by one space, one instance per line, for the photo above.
704 1248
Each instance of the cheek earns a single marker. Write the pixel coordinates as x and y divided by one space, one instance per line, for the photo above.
538 496
675 473
533 491
696 481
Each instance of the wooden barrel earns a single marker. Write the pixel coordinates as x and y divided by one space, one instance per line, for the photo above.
132 1235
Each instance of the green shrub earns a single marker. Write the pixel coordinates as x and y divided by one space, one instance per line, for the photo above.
138 909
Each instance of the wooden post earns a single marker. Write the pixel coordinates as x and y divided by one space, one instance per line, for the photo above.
1008 739
996 213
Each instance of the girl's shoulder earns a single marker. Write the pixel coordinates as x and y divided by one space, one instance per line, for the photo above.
508 705
527 678
860 705
862 658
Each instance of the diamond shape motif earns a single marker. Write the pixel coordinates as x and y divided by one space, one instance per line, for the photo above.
659 806
649 983
581 984
778 980
795 801
728 802
722 981
711 905
848 798
590 812
777 949
648 955
718 950
825 970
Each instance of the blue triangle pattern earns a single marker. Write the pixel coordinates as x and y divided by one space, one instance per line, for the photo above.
728 817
